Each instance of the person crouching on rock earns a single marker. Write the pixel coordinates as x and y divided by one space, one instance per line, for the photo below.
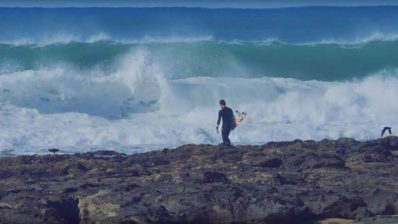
227 116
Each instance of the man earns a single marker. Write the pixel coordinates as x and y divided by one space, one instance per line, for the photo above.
227 116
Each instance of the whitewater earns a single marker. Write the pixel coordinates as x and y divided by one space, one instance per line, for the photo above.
103 90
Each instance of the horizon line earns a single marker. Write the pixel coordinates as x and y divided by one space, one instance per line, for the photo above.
198 7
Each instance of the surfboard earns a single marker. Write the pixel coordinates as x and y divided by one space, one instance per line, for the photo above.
241 116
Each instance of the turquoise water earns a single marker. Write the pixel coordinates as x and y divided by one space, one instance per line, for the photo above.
319 43
323 61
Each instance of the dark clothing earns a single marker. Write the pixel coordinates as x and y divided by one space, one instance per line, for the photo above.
225 136
226 114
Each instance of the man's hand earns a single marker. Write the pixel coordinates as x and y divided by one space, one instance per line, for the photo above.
217 130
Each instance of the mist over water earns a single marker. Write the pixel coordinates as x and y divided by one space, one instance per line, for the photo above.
143 85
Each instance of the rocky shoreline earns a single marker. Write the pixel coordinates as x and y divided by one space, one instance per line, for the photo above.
279 182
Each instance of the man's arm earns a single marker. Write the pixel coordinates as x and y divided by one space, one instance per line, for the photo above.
219 118
218 121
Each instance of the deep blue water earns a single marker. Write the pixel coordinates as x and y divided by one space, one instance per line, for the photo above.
293 25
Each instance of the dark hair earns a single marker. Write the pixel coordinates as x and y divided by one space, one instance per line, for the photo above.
222 102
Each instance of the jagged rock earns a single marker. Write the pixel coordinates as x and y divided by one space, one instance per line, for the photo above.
375 153
390 142
279 182
268 162
212 177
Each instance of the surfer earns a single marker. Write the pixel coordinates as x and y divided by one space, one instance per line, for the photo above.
227 115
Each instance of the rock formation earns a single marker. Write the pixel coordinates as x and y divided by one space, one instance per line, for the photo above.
279 182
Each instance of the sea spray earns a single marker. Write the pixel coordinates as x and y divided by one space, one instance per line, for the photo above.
279 109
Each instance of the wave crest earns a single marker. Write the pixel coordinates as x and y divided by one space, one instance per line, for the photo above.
63 39
134 87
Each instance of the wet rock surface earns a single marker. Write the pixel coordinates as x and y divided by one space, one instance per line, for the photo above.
279 182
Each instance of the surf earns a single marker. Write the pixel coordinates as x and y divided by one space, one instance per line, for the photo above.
325 62
140 105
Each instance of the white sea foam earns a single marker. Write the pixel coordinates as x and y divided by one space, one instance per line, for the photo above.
138 108
358 40
63 38
59 38
134 87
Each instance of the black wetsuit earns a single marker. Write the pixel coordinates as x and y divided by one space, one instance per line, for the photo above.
226 114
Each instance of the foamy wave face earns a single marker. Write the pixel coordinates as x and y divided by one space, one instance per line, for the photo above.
285 109
209 58
134 87
185 110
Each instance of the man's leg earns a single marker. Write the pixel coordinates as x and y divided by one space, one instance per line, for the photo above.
224 138
225 133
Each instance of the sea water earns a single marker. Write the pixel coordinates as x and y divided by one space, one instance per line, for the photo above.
138 79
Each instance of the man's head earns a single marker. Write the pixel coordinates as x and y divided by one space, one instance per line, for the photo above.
222 103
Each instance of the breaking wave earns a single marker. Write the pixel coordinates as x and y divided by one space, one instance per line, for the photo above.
325 62
138 104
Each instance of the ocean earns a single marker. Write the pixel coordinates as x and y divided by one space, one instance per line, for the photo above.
139 79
